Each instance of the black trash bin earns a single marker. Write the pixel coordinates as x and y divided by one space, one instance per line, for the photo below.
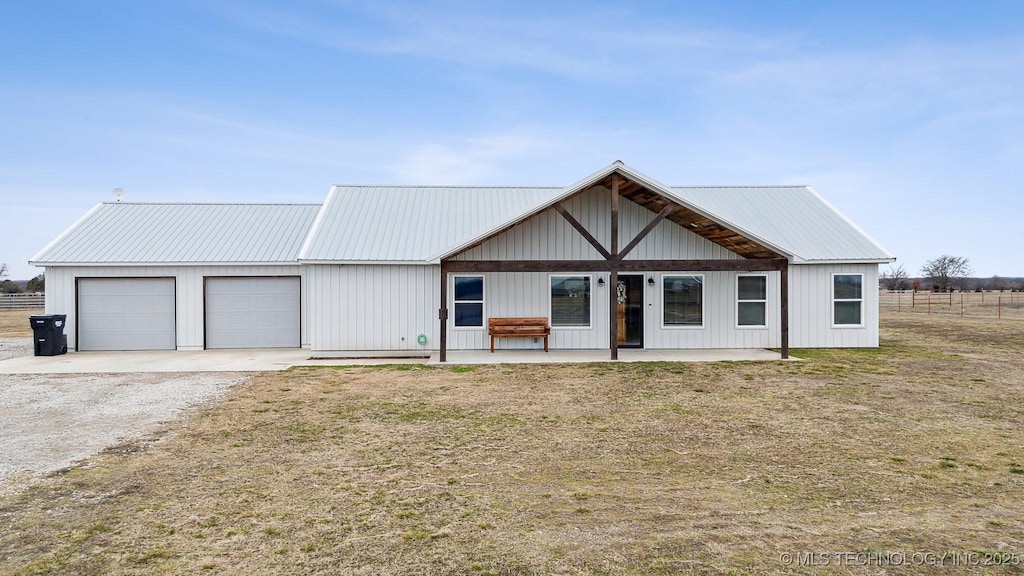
48 332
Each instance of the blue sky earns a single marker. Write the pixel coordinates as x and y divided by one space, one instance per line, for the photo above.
907 116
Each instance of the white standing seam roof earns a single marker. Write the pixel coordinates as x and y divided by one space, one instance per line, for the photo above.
411 223
421 224
137 233
795 218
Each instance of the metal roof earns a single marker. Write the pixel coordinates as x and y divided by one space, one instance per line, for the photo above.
421 224
795 218
424 223
412 223
136 233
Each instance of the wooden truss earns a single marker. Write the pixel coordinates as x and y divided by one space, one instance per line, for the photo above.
757 257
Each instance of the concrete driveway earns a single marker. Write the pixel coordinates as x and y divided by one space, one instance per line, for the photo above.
156 361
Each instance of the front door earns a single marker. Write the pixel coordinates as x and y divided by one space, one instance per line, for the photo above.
630 310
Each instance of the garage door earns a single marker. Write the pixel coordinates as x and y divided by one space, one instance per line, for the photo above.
252 312
126 314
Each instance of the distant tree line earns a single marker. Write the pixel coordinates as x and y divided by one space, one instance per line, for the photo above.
946 274
8 286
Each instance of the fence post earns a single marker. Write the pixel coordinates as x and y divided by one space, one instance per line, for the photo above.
929 303
913 298
999 307
899 301
961 304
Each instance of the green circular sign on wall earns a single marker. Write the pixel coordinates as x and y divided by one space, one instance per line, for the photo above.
422 339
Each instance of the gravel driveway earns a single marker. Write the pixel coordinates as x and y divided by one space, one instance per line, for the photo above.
50 421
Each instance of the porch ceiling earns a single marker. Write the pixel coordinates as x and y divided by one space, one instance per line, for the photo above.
690 220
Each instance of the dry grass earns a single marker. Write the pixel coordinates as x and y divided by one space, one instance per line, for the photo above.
14 323
565 469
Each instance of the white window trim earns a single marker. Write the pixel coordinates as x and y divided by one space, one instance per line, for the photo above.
551 321
765 302
703 302
832 302
483 302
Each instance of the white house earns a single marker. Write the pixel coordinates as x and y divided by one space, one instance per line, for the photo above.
615 260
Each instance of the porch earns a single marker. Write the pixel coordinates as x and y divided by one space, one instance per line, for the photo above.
459 357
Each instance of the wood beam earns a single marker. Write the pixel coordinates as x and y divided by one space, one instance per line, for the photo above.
747 265
583 231
784 311
442 315
647 230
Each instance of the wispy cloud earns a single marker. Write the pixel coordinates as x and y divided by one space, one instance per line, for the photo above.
595 44
471 160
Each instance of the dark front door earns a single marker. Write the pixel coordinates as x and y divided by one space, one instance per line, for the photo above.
630 310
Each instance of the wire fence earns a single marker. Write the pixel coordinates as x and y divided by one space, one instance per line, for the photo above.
21 301
990 304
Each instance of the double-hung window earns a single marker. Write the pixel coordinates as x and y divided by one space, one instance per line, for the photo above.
683 301
570 301
847 299
751 300
469 301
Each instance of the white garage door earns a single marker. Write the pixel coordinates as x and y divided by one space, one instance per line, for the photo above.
252 312
126 314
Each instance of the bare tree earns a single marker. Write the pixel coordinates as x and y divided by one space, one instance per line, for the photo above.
895 278
996 283
3 270
946 270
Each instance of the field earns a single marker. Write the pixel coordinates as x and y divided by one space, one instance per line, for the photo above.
14 323
1007 305
875 461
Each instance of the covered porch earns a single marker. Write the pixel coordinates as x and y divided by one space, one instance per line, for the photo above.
744 253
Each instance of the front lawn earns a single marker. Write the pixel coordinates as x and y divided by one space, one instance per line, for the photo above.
916 448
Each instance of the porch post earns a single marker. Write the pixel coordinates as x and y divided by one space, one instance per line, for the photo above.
613 310
442 315
784 310
613 279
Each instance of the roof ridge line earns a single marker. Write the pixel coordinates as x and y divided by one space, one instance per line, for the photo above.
747 186
481 187
461 187
214 203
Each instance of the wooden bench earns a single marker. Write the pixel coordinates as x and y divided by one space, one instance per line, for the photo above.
518 328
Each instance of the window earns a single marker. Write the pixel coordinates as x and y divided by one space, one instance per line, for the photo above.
751 300
847 299
683 301
469 301
570 301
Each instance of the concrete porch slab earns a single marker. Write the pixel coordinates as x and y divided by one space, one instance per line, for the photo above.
625 355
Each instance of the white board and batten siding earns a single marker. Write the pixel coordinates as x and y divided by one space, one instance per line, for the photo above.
810 305
528 294
372 310
189 293
548 236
